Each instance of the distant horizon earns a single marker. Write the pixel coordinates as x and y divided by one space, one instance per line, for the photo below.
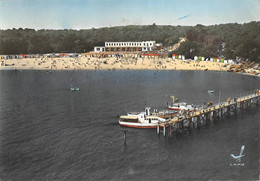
87 14
127 25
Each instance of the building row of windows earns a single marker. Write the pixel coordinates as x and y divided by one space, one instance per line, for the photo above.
125 49
103 49
129 44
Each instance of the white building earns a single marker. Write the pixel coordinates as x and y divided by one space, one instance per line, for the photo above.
127 46
99 49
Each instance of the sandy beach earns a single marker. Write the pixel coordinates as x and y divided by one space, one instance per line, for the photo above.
112 63
82 63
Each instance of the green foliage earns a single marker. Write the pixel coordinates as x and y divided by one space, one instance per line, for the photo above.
20 40
191 49
224 40
229 40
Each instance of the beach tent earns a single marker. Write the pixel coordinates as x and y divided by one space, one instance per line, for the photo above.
216 59
173 56
63 55
22 55
150 54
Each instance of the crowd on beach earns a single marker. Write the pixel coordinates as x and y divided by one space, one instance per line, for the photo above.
118 62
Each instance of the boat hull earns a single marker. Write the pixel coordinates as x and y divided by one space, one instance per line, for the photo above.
178 109
138 125
173 108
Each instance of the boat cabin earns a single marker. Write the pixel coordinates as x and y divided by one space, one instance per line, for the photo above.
132 119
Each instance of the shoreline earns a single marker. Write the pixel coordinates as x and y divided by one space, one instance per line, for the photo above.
50 70
34 69
113 63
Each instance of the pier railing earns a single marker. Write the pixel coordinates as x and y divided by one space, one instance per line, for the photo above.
204 115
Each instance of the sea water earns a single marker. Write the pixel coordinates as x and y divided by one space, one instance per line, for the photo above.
48 132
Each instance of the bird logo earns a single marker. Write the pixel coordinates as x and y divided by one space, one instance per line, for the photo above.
238 157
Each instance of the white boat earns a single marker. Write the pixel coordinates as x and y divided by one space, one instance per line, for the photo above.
145 119
74 88
181 106
211 91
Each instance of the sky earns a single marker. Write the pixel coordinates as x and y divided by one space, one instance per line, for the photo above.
86 14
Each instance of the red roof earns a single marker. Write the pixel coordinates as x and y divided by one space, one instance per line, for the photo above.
150 54
22 55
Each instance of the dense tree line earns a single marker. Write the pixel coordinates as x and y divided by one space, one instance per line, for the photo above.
20 40
226 40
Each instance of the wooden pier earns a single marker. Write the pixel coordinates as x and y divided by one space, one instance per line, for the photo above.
204 116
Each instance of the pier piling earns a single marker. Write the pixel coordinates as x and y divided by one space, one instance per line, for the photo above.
170 130
211 113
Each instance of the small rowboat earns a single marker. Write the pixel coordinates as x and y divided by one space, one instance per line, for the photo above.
211 91
74 88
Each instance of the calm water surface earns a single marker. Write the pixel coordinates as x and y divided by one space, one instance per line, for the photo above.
50 133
